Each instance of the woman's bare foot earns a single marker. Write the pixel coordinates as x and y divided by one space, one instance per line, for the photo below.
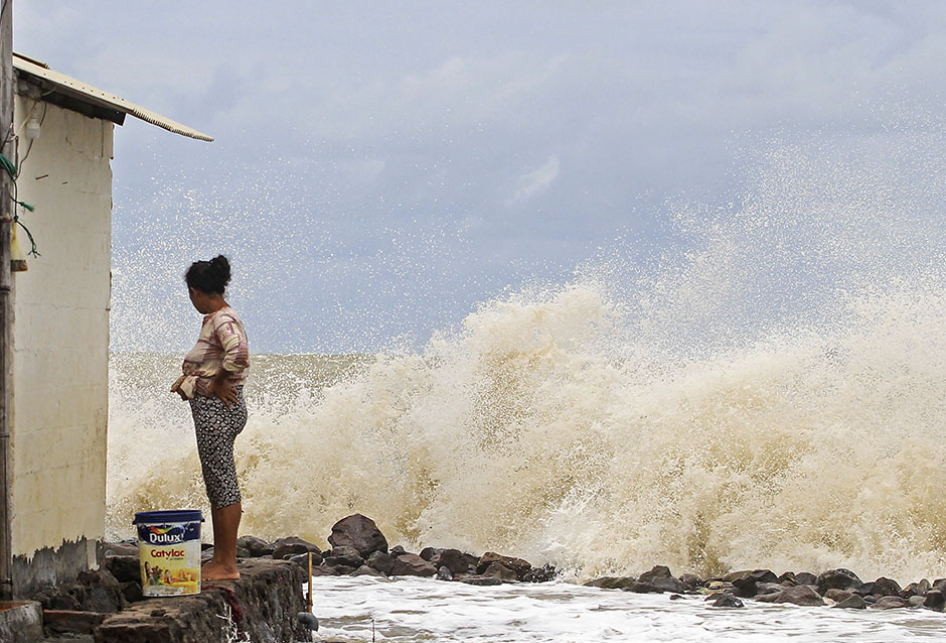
214 570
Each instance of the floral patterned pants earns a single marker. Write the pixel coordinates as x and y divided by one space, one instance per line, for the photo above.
217 427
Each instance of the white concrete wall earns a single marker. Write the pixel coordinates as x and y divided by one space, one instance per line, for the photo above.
60 336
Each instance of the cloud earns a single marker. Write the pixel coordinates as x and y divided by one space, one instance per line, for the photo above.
537 181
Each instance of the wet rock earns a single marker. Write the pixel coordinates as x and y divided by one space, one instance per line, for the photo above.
255 547
324 570
482 581
692 581
359 532
500 571
805 578
242 552
60 622
658 571
725 600
838 595
344 570
125 569
381 561
746 582
799 595
517 565
539 574
717 586
397 551
612 582
916 601
302 560
645 588
890 603
788 578
934 600
344 556
837 579
427 553
364 570
286 547
770 588
453 559
852 602
444 573
886 587
412 565
916 589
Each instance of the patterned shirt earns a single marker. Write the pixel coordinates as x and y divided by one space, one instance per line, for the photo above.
222 344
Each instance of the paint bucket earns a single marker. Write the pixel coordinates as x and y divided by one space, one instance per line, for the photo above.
169 551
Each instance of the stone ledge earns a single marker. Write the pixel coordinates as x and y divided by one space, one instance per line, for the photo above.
21 621
268 595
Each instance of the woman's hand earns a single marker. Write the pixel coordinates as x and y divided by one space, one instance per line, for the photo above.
224 390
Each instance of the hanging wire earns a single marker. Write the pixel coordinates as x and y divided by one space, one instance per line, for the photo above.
8 166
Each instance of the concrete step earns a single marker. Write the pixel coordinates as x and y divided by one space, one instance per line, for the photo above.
21 622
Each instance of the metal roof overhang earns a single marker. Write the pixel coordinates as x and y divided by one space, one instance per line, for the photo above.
78 90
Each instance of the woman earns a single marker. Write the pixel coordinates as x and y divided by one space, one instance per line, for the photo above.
214 373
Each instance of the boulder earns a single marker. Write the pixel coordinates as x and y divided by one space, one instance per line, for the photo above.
518 565
916 589
692 581
344 556
500 571
725 600
746 583
916 601
125 569
886 587
838 595
444 573
805 578
287 547
364 570
302 560
429 552
324 570
646 588
612 582
852 602
255 547
788 578
397 550
453 559
412 565
539 574
658 571
800 595
381 561
934 600
891 603
359 532
837 579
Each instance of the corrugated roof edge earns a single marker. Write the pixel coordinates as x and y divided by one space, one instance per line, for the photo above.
90 94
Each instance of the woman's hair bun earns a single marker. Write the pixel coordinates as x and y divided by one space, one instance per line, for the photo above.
209 276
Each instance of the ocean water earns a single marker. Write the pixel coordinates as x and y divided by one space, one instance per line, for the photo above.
767 392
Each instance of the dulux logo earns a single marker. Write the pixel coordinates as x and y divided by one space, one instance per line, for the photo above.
166 535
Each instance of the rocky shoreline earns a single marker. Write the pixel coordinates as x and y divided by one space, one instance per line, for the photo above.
358 548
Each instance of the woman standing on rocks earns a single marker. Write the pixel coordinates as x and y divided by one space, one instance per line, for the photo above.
214 372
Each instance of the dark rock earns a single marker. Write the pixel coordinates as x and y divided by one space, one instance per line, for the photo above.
453 559
770 588
381 561
309 620
302 560
344 556
323 570
539 574
644 588
482 581
444 573
838 595
412 565
866 589
805 578
746 582
852 602
658 571
255 547
71 622
676 597
890 603
788 578
364 570
612 582
344 570
242 552
500 571
939 584
123 568
692 581
837 579
120 549
359 532
800 595
131 590
886 587
934 600
397 550
916 589
726 600
518 565
286 547
427 553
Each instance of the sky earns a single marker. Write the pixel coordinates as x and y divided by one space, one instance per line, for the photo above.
380 169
